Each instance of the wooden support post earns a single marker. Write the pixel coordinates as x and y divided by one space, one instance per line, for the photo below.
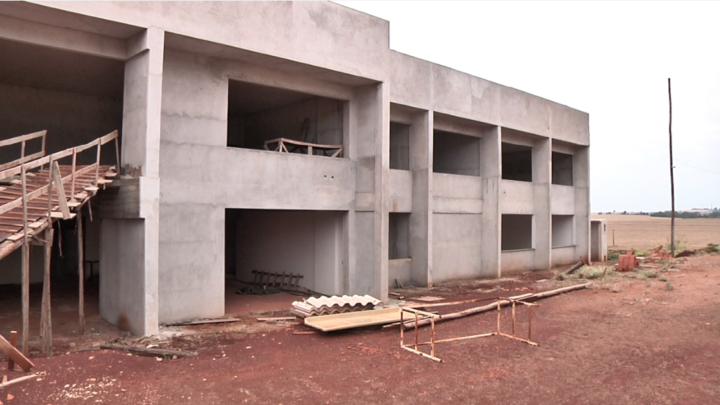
13 343
416 331
117 155
513 315
72 188
530 322
46 308
97 162
81 276
25 268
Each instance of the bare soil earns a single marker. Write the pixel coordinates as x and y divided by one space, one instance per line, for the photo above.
646 232
640 345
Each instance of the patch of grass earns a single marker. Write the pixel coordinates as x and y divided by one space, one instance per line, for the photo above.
663 278
641 252
669 286
591 273
711 248
613 256
649 273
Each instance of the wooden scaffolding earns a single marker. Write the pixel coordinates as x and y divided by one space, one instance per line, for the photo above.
35 192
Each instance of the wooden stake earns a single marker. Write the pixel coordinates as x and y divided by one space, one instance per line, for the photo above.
13 342
25 268
672 180
17 380
46 307
14 354
81 276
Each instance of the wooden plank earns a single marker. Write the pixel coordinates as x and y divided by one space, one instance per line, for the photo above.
17 380
277 319
327 323
23 138
62 199
205 321
15 355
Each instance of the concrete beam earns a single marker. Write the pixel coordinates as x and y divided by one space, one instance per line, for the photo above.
15 29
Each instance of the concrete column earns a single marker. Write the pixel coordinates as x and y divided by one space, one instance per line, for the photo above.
369 146
129 251
581 181
491 173
382 190
542 219
421 225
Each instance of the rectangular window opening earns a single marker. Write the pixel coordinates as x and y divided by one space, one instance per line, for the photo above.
258 115
399 146
399 236
456 154
562 169
516 162
562 231
517 232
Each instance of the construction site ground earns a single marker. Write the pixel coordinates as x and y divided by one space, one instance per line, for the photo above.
647 338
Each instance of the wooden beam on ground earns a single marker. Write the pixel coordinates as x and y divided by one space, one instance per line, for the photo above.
141 351
17 380
81 276
205 322
46 307
15 355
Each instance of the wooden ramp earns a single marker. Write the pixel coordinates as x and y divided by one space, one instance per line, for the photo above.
35 191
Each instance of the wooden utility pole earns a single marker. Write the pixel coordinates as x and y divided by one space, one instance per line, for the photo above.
672 181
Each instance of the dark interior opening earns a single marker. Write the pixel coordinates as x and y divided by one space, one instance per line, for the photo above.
562 169
456 154
516 162
399 239
399 146
77 98
516 232
257 114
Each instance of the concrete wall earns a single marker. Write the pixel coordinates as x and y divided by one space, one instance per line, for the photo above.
563 255
456 246
563 227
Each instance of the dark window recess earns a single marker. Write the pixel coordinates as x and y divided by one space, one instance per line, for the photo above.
399 236
516 232
456 154
399 146
516 162
562 169
562 230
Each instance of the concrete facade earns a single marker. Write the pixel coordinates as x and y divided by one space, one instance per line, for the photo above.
204 84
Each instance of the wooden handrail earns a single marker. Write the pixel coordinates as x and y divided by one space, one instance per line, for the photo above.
22 140
58 155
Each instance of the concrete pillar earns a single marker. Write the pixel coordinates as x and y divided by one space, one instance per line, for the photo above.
491 173
581 181
369 146
129 251
421 225
542 219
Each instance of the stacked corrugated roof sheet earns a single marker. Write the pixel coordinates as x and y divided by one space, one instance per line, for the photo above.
333 305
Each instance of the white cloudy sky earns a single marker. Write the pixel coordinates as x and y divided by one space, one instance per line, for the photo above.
610 59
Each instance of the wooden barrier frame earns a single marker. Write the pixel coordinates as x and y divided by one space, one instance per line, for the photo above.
22 140
415 347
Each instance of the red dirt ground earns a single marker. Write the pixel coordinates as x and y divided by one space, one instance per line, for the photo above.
641 345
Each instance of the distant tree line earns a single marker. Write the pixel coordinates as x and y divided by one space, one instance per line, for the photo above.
685 214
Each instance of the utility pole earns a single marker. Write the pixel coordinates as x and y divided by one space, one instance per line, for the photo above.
672 181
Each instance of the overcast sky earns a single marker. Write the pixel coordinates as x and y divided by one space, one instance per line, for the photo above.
610 59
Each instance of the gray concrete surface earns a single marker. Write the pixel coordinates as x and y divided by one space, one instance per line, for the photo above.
205 83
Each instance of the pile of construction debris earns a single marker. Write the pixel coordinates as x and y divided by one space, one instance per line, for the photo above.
333 305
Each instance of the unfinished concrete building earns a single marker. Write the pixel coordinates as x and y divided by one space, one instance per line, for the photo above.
287 137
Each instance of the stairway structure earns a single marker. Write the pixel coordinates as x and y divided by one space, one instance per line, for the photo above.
36 190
